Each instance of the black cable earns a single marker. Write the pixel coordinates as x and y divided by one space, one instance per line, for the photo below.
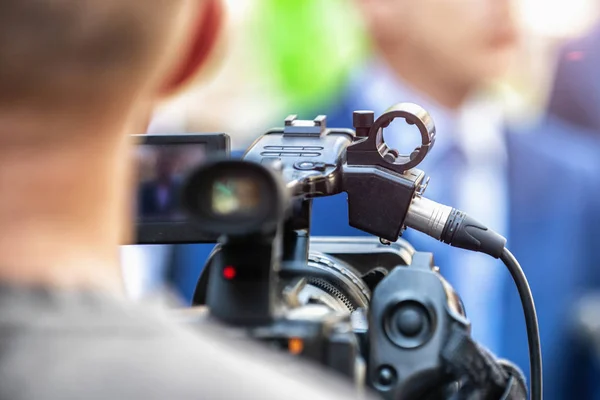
458 229
531 322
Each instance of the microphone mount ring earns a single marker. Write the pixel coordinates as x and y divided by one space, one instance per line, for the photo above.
414 115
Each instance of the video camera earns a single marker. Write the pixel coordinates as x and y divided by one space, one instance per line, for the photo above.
372 309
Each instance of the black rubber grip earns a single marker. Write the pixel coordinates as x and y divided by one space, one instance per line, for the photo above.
467 233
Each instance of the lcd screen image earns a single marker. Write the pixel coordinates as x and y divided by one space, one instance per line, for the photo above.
162 171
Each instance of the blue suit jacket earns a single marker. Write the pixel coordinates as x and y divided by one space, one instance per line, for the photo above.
554 218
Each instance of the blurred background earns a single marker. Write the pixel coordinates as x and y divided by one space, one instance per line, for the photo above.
278 57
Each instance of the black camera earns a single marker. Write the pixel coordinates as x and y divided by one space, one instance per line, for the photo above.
372 309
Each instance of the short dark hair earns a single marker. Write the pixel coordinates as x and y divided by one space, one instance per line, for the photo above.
49 48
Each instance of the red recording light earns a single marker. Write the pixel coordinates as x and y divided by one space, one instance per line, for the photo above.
229 272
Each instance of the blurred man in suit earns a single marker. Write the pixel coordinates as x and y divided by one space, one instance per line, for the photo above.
158 197
439 53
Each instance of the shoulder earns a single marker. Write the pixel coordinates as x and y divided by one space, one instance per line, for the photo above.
104 348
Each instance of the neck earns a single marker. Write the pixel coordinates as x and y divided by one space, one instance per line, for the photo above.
427 77
62 203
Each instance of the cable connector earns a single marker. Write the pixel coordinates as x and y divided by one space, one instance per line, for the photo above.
467 233
453 227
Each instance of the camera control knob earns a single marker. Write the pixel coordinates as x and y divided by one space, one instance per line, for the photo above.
410 321
409 324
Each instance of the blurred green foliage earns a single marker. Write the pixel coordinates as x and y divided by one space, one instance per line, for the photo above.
310 46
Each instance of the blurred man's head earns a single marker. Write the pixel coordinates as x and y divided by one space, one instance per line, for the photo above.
469 40
92 54
76 78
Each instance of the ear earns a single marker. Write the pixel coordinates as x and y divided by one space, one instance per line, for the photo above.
205 35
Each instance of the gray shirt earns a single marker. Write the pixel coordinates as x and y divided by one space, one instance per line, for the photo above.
83 345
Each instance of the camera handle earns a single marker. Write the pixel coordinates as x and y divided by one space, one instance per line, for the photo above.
420 344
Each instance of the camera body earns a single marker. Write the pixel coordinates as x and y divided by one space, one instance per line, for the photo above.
370 308
379 314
